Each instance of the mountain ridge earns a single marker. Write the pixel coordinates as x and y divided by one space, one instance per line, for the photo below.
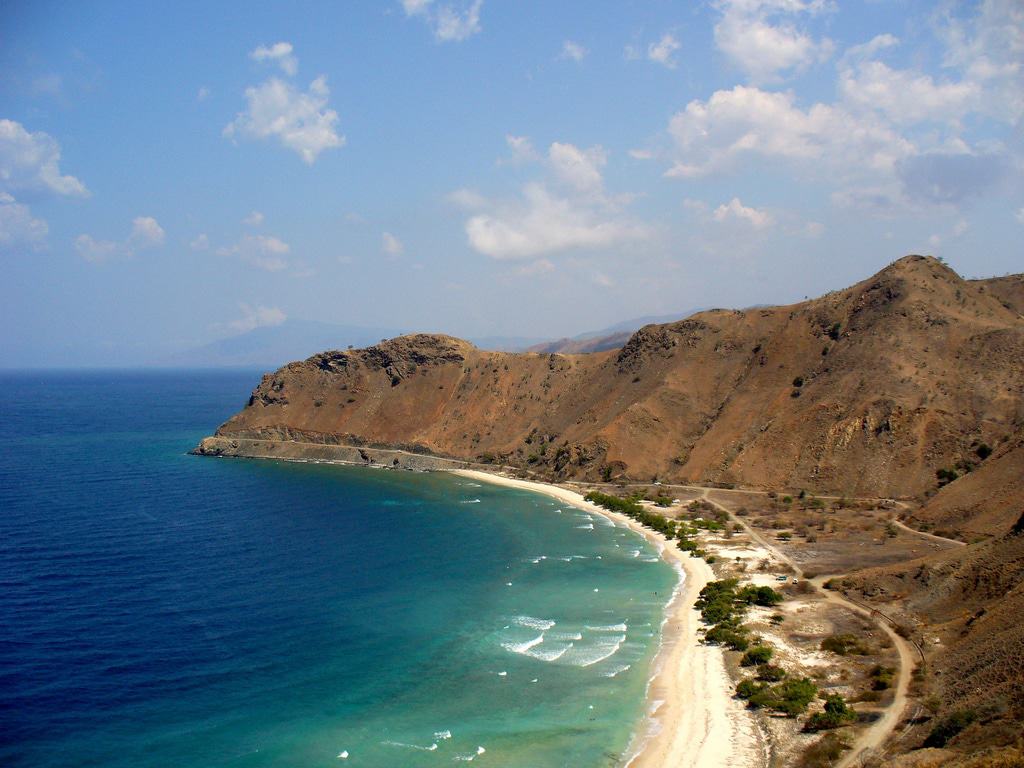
865 391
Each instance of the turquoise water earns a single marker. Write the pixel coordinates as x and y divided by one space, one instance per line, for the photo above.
162 609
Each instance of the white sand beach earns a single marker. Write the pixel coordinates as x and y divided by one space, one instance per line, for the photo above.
696 721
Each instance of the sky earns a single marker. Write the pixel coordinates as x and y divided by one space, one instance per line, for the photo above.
174 173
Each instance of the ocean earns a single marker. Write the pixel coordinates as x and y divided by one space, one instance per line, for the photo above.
162 609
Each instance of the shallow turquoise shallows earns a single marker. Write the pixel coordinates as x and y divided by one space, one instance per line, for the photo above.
160 609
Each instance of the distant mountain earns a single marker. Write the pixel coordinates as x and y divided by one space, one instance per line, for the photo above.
612 337
273 346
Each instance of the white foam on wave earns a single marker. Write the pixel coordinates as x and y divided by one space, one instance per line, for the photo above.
615 671
566 635
443 735
402 744
589 655
470 501
470 758
553 653
587 527
522 648
609 628
534 623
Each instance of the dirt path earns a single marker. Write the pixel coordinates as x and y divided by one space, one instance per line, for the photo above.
872 738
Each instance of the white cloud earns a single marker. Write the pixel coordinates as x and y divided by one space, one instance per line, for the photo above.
391 245
534 268
1020 215
522 150
905 97
448 23
18 228
814 229
301 121
262 251
579 168
203 93
641 154
467 199
663 51
934 241
146 233
254 219
988 47
760 38
280 54
543 222
601 279
201 243
735 210
100 251
743 123
257 317
573 50
31 161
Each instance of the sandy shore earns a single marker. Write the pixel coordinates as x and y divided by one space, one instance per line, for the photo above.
697 722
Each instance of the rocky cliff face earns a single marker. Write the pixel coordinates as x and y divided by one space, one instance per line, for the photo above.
867 391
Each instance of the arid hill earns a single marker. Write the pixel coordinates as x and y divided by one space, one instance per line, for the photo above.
967 603
867 391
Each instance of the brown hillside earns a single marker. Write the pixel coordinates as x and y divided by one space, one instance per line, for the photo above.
1009 290
985 502
864 391
970 600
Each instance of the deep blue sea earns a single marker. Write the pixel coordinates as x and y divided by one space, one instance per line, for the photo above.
161 609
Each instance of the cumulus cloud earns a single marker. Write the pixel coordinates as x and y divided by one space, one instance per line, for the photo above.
573 50
258 316
543 222
100 251
300 120
746 122
663 51
146 233
201 243
279 53
521 150
254 219
988 47
203 93
19 229
31 161
905 96
448 22
391 245
734 210
579 168
576 213
761 37
261 251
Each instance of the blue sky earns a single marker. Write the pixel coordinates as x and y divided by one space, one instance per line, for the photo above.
173 173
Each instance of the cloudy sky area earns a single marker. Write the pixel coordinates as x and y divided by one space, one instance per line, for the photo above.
174 173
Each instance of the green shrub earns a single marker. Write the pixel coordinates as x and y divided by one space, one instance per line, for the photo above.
749 688
843 645
759 654
794 696
770 673
836 713
882 678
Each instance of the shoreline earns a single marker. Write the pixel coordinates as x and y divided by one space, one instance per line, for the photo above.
691 718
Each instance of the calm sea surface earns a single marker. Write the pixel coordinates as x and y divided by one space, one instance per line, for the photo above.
160 609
